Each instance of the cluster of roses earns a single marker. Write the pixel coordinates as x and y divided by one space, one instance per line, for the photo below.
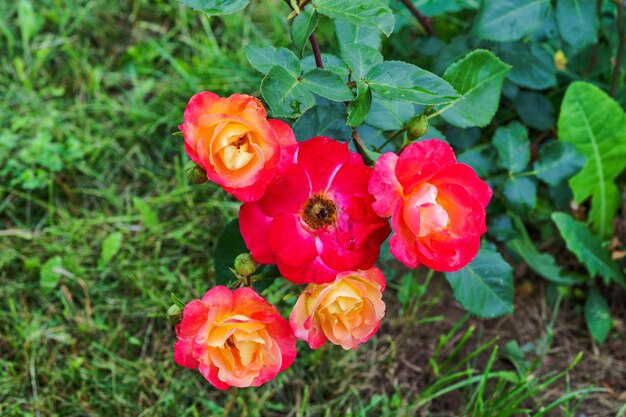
320 214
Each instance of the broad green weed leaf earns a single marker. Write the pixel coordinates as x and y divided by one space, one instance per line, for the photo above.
598 316
588 249
49 277
596 125
478 77
485 286
148 216
110 247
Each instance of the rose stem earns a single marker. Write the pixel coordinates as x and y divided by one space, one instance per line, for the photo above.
620 49
420 17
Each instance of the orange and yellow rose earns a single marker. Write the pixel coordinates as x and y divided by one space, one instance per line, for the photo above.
234 338
234 142
346 311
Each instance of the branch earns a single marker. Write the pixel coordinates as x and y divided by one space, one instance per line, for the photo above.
620 48
316 51
424 21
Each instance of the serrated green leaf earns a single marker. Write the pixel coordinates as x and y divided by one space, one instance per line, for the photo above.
390 114
557 162
485 286
510 20
478 76
596 125
372 13
323 120
302 27
513 146
350 34
110 247
598 316
285 94
542 263
148 216
578 22
588 248
327 84
481 158
521 194
216 7
229 245
533 66
360 106
49 277
263 58
395 80
360 59
535 110
330 61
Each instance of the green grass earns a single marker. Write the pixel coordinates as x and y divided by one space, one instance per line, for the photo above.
91 94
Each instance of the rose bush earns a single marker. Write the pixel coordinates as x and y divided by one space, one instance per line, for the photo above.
234 142
437 206
234 338
346 311
316 219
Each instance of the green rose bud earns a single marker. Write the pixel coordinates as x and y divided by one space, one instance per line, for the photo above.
195 174
174 314
417 126
245 265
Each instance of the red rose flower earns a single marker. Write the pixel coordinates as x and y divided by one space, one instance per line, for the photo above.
316 219
234 338
437 206
234 142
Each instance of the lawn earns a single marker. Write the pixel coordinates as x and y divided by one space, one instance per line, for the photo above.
99 225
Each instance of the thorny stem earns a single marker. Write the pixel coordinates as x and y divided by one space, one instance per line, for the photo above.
424 21
620 48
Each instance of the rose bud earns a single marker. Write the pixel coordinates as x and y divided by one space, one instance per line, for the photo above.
234 142
234 338
437 206
316 219
346 311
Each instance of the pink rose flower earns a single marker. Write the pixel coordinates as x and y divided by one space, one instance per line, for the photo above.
437 206
316 219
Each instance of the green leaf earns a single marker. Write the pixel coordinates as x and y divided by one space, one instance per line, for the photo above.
229 245
521 194
49 276
542 263
148 216
598 316
478 77
596 125
349 34
360 107
372 13
533 66
395 80
327 84
510 20
535 110
513 147
285 94
323 120
557 162
390 114
360 59
302 27
588 248
330 61
263 58
481 158
110 247
485 286
578 22
441 7
216 7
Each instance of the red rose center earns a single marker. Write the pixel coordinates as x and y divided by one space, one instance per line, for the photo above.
319 212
